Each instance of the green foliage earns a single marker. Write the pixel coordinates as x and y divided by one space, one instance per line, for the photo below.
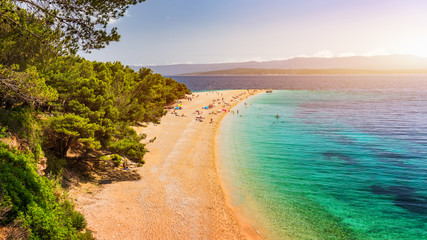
117 159
93 103
3 132
37 152
22 122
68 129
25 38
111 97
110 90
18 121
75 24
149 94
26 87
55 166
46 213
132 149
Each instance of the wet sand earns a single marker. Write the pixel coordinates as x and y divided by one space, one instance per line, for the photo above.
179 195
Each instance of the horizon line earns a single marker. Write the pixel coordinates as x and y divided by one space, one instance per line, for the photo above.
272 60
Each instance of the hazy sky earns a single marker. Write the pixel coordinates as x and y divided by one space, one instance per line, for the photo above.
159 32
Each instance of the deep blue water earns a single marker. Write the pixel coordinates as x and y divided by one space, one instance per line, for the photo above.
346 159
305 82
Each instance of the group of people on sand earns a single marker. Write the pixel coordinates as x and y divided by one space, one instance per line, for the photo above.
199 118
176 113
190 97
220 101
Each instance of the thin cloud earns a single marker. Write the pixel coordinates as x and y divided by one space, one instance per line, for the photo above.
376 52
347 54
324 54
252 59
320 54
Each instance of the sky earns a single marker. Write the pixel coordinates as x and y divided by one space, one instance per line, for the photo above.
161 32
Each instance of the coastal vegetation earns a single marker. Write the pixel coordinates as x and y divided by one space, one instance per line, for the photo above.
53 102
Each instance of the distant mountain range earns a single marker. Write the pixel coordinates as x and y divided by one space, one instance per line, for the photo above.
390 64
258 71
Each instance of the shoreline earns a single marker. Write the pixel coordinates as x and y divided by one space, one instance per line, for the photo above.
248 229
180 194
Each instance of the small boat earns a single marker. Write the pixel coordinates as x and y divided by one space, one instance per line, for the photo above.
269 91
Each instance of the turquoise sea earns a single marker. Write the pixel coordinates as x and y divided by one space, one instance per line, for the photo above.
335 164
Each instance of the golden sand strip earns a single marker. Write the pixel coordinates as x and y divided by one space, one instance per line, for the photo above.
180 194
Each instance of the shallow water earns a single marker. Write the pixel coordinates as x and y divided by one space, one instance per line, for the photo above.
342 164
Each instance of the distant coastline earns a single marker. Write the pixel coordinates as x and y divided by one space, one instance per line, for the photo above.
306 82
385 64
278 72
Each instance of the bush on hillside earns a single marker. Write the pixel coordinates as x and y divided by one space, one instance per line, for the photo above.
35 200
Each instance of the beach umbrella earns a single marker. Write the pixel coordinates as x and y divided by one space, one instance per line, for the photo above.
176 108
225 110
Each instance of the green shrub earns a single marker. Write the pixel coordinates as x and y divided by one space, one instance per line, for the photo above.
37 152
19 121
68 129
130 148
117 159
55 166
22 122
3 132
45 213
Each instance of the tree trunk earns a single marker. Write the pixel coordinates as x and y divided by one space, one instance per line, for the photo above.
66 146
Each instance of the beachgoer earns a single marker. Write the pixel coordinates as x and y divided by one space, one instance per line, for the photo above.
125 165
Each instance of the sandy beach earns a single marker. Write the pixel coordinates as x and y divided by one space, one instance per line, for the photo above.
179 195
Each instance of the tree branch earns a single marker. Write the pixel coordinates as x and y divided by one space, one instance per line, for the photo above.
50 47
